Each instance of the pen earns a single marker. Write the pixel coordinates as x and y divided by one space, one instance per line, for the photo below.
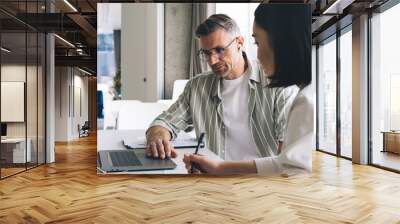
194 166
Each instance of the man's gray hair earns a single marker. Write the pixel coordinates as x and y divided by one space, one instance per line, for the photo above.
215 22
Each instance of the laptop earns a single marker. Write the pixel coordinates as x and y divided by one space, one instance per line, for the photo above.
130 160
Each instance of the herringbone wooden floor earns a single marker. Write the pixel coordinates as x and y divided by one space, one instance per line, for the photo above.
70 191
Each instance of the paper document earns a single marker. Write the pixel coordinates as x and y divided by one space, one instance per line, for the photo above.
183 140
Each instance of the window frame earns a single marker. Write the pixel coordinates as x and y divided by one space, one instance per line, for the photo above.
333 37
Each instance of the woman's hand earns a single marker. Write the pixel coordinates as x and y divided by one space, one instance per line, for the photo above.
206 165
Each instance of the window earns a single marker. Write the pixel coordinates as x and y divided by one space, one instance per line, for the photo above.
346 93
108 56
385 88
327 96
335 93
243 14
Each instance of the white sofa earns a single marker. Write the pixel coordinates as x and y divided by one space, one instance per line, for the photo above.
179 86
134 114
111 112
138 115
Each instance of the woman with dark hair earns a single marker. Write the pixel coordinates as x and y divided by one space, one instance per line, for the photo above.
282 33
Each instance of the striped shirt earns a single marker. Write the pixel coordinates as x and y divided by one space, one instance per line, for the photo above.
200 107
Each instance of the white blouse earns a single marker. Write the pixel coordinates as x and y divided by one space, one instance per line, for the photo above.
296 154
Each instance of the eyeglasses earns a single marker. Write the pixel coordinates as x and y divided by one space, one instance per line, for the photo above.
206 55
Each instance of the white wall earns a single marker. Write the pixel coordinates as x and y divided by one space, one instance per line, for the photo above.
69 82
12 101
79 117
61 103
142 51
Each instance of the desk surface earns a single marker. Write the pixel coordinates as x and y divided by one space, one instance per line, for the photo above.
390 132
14 140
112 140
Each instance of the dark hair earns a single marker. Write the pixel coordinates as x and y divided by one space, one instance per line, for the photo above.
289 30
215 22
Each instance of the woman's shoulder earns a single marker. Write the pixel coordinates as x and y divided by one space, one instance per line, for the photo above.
306 95
304 101
301 116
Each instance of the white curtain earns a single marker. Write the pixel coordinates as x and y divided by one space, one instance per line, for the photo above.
200 12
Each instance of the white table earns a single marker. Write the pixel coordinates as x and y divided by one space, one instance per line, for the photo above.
112 140
18 148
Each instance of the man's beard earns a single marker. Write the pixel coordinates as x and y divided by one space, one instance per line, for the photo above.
222 69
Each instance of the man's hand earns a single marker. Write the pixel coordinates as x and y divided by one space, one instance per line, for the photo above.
159 144
206 165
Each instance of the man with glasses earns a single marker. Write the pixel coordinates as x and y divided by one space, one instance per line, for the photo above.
242 118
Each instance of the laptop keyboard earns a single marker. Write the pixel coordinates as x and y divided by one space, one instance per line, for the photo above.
124 158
